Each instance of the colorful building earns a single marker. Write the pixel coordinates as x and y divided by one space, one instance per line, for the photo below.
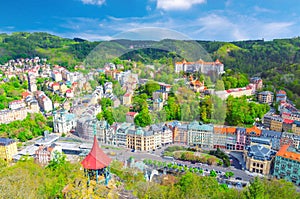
296 127
265 97
44 154
180 133
8 148
219 137
64 122
258 159
287 164
200 135
141 140
240 139
281 96
230 138
290 139
130 117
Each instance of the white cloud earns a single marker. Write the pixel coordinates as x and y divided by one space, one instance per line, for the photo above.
93 2
276 29
215 26
210 26
261 9
177 4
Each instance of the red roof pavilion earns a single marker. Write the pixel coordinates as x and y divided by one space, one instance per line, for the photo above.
96 159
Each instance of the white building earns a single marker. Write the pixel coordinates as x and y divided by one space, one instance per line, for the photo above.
56 76
44 101
45 154
16 104
64 122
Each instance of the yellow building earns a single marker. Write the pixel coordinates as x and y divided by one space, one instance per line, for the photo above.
63 88
276 124
140 140
8 148
259 159
296 127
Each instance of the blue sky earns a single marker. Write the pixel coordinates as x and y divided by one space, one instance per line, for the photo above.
222 20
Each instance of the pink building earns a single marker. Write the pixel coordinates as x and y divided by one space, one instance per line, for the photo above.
240 138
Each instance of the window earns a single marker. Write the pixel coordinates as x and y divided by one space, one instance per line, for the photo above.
254 164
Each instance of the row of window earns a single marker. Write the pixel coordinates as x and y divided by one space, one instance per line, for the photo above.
258 165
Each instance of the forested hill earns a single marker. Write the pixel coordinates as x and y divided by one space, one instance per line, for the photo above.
277 61
67 52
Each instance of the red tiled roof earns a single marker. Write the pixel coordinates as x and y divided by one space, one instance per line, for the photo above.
127 95
283 152
25 94
281 92
15 102
96 159
287 114
131 114
287 121
231 130
254 129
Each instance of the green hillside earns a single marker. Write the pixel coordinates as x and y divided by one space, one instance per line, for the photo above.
276 61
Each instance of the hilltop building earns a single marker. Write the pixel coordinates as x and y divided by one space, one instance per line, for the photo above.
200 66
258 82
265 97
281 96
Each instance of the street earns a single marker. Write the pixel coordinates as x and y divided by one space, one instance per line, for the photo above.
123 154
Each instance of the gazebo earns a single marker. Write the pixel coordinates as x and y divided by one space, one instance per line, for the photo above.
96 164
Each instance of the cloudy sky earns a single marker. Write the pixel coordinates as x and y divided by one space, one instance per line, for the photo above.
222 20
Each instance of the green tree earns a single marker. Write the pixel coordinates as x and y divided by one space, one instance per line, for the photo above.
119 113
256 189
143 118
219 85
118 90
213 173
150 87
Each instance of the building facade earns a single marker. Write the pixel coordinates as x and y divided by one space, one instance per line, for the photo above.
200 135
44 154
8 148
287 164
64 122
141 140
265 97
201 66
259 159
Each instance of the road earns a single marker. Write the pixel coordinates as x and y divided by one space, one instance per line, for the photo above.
123 154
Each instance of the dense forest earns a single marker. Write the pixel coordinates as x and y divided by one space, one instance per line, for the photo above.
276 61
